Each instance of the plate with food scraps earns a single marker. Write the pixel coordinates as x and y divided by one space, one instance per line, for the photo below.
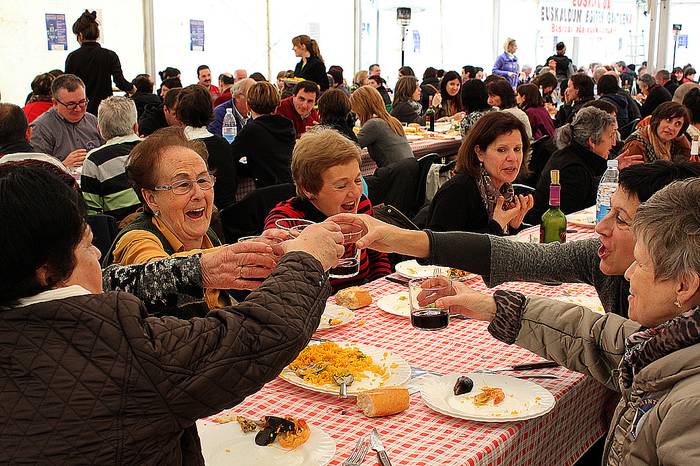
335 316
396 304
371 367
584 218
224 444
412 269
491 398
591 303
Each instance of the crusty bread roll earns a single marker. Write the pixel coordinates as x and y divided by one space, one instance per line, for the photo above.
353 297
383 401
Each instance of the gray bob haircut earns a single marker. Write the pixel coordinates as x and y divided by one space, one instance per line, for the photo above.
589 123
668 224
116 116
647 79
69 82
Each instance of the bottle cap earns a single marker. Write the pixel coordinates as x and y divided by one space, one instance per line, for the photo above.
229 110
554 175
612 163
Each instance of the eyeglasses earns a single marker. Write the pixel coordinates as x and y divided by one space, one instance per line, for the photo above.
205 183
74 105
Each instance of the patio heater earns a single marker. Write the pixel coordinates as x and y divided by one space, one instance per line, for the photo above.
403 17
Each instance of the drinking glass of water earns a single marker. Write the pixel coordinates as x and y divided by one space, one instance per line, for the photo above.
423 292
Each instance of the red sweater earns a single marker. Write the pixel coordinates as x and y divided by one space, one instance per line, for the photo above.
286 109
373 264
33 110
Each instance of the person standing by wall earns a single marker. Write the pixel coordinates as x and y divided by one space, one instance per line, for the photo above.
95 65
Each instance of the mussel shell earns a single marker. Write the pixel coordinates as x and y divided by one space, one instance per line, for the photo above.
265 437
463 385
279 424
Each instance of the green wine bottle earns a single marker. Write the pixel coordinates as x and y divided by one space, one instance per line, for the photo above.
430 119
553 226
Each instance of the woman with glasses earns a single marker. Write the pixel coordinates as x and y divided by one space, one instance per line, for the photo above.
170 175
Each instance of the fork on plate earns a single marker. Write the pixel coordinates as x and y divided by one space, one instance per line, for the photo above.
358 453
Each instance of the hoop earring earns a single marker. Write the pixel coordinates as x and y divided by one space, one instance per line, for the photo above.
677 303
157 213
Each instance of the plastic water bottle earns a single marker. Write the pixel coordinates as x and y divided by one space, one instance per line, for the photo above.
606 188
229 130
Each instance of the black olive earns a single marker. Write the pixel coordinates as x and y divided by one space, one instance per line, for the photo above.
464 385
265 436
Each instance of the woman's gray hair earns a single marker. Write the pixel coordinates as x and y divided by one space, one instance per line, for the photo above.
647 79
589 123
116 116
669 226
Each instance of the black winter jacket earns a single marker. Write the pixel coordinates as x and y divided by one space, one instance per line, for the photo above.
94 380
267 143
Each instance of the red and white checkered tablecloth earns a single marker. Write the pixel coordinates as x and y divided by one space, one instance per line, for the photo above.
420 436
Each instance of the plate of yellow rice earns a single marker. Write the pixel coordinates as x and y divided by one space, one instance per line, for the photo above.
370 366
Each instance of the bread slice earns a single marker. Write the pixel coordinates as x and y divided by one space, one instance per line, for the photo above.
383 401
354 297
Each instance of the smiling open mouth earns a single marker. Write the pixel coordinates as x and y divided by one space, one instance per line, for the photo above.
348 207
195 214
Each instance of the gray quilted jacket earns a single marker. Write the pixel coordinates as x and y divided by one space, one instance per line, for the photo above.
93 380
657 420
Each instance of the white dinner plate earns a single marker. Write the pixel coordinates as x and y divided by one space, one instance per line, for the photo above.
591 303
412 269
335 316
396 367
397 304
226 445
584 218
523 399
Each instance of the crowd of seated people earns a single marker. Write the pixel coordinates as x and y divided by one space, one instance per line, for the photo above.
156 162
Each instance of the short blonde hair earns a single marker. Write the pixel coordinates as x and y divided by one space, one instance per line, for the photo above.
315 152
506 44
360 77
263 98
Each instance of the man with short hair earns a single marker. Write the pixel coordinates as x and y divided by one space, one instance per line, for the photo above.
239 75
563 66
160 116
204 79
238 102
375 70
663 78
468 72
106 188
626 76
577 93
299 108
66 131
15 134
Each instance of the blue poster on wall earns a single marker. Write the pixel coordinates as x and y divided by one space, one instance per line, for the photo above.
416 41
56 32
683 40
196 35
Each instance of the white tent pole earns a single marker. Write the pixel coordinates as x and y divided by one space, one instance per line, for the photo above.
149 48
662 42
651 47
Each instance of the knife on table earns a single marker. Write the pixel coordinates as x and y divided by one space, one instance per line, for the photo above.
377 446
525 367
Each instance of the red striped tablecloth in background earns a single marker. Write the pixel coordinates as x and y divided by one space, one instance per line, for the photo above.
420 436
